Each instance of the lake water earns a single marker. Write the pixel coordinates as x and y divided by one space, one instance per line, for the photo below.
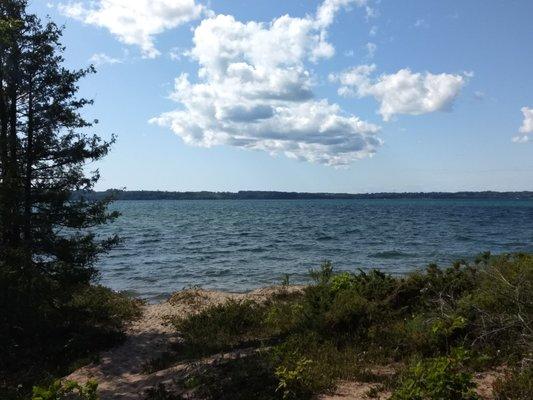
238 245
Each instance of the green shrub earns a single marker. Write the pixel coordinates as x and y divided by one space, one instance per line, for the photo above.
342 281
503 305
66 390
348 314
243 378
295 381
344 322
441 378
306 364
222 326
323 275
283 317
101 307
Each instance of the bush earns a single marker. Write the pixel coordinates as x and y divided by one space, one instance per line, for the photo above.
296 381
100 307
222 326
503 305
65 336
436 379
67 390
243 378
344 323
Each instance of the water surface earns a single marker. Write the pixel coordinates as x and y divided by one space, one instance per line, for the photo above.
238 245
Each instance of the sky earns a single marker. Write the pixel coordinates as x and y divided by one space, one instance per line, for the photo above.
318 96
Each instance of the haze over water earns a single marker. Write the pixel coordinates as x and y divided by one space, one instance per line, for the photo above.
240 245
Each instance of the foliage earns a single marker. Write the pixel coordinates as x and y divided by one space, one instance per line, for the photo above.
436 379
343 323
241 378
295 381
222 326
70 390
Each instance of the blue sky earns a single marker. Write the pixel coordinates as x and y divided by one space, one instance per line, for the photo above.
333 95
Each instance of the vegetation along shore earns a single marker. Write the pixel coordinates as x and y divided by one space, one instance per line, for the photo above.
461 332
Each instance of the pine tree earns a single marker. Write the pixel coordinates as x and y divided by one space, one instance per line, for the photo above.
47 247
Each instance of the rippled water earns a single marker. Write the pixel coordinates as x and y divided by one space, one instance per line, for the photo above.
240 245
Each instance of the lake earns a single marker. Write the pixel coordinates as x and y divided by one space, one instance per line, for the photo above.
238 245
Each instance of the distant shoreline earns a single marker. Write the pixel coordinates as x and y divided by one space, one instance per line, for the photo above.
277 195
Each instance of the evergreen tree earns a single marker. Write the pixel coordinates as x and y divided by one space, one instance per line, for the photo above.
47 247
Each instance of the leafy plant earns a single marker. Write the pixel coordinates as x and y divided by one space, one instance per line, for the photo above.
294 381
222 326
66 390
436 379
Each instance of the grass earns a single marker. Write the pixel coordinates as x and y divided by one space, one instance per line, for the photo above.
344 324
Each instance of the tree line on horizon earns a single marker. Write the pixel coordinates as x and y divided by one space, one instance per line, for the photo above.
117 194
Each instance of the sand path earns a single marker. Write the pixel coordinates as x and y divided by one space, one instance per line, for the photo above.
120 371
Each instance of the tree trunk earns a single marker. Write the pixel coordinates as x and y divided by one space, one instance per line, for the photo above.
28 175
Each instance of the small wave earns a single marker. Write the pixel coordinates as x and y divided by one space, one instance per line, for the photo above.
462 238
149 240
256 250
323 238
350 231
389 254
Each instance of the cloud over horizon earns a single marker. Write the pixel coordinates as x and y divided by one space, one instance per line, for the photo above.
255 91
526 129
403 92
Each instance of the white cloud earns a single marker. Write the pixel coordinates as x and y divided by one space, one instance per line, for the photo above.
134 22
521 139
527 124
102 58
255 91
421 23
479 95
526 129
371 50
403 92
329 8
176 53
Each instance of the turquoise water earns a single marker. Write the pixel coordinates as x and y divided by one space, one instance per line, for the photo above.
238 245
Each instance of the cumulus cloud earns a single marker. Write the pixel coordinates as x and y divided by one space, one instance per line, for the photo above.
403 92
329 8
134 22
255 91
526 130
102 59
